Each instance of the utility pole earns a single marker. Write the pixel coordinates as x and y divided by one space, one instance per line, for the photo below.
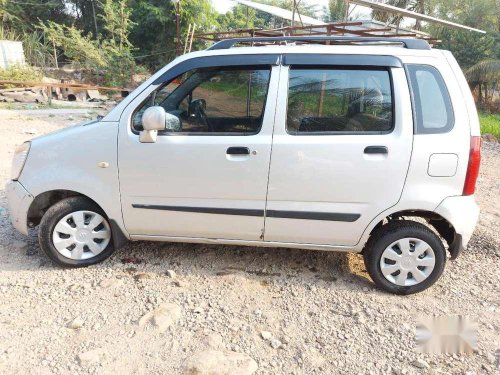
178 26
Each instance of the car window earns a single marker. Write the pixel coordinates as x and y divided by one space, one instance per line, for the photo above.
432 104
338 101
213 100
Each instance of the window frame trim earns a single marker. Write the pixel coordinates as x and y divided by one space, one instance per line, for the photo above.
418 128
224 64
325 59
388 69
218 61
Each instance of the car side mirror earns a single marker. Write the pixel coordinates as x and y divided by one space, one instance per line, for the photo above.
155 118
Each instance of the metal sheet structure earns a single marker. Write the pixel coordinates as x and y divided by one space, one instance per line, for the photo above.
11 53
408 13
281 13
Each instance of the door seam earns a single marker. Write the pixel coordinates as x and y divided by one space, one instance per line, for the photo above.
280 70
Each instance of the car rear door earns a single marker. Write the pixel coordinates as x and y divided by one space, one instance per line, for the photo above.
341 148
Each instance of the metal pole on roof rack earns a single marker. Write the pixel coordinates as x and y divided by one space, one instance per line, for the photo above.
191 37
187 39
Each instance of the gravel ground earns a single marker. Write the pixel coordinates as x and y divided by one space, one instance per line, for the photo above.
181 308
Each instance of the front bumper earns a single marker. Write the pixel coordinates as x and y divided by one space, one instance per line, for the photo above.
19 201
462 212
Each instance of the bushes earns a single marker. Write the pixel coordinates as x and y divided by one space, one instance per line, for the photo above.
119 71
110 52
490 124
20 73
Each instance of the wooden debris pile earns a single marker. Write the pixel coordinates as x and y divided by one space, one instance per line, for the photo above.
49 89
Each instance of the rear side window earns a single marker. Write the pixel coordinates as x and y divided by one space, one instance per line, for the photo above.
433 110
339 101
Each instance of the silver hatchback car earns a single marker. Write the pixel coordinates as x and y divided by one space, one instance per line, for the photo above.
368 145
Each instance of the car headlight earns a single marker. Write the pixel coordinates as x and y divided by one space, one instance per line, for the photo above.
20 156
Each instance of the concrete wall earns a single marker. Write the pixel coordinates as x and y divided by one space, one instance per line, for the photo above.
11 53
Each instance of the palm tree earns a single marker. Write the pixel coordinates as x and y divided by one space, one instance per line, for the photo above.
419 6
485 74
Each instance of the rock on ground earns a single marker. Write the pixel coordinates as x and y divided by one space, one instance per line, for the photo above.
76 323
420 363
215 362
112 282
90 357
266 335
162 317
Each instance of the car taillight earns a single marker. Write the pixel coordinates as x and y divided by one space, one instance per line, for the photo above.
473 166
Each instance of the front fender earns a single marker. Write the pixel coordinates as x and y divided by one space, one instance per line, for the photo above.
82 159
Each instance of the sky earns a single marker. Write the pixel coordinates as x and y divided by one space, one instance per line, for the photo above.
223 6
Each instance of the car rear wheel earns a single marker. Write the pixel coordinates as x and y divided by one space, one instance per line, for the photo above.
404 257
75 232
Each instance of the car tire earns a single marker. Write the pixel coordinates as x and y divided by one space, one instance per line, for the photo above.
398 247
75 232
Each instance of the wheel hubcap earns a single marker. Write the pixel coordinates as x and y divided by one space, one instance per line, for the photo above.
407 261
81 235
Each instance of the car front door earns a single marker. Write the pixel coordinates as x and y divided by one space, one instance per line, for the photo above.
341 148
208 178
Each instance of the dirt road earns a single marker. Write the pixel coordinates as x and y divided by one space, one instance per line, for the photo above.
165 308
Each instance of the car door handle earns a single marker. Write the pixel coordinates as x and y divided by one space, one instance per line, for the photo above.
376 150
238 151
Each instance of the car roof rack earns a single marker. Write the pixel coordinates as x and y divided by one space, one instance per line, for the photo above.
409 43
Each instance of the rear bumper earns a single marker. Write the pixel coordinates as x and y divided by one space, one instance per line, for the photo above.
462 212
19 201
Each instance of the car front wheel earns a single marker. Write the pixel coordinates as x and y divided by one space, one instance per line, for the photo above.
75 232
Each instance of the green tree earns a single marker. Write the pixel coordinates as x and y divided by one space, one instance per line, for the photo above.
117 24
19 20
484 76
243 17
154 33
469 47
110 51
336 11
419 6
240 17
21 16
82 50
116 47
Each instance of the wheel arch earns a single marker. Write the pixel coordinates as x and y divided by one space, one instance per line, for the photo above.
435 221
43 201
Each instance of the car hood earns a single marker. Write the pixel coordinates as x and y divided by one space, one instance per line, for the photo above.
66 131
